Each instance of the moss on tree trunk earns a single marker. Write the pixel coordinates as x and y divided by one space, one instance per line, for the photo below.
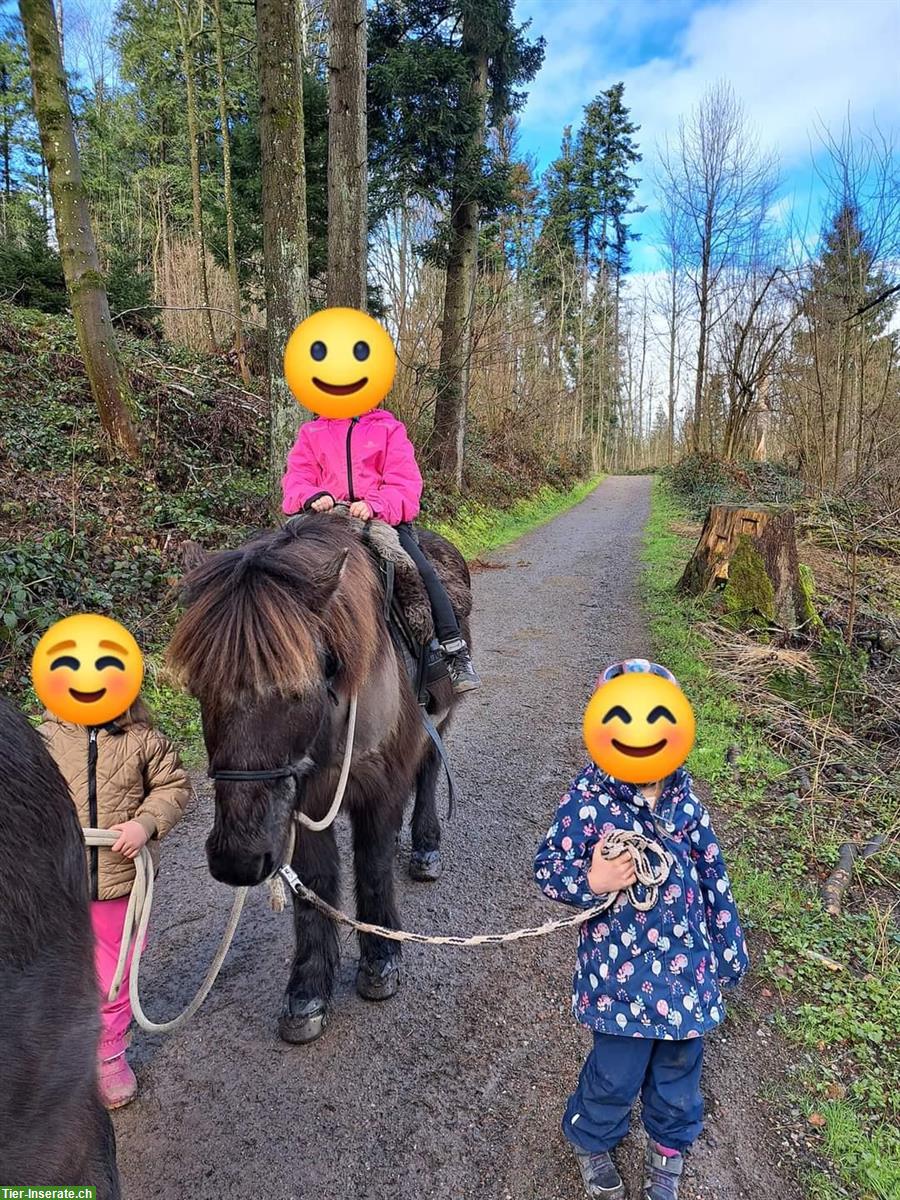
448 434
752 552
77 249
347 161
749 596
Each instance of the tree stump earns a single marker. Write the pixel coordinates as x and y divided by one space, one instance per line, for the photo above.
752 554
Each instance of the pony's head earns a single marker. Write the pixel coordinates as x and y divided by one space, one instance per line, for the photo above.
274 637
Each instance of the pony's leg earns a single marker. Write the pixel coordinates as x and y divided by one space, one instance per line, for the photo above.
425 860
374 835
304 1013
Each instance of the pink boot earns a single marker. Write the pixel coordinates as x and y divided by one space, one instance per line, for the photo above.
115 1078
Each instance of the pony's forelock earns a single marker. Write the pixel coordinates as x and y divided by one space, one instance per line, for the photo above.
257 618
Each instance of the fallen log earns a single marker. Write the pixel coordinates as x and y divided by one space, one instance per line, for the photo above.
838 881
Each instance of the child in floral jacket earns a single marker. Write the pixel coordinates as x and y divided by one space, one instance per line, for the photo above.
648 984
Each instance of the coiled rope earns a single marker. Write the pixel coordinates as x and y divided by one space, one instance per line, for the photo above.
137 918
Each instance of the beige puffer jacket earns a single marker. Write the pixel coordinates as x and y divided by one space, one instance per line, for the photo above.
122 771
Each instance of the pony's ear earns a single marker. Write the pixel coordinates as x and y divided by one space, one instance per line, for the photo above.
332 574
193 555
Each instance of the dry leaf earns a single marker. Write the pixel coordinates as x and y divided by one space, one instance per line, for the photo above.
817 1119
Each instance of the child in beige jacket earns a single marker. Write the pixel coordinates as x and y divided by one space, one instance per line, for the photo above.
127 777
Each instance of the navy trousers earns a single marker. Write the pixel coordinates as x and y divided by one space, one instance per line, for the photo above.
666 1075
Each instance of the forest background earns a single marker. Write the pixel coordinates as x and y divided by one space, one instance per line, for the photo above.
182 181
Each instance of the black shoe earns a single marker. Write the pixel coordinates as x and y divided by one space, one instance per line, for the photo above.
601 1179
459 666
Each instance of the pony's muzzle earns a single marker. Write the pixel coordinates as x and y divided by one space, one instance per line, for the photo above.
239 870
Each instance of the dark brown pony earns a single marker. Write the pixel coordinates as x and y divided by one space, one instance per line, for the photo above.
54 1130
275 638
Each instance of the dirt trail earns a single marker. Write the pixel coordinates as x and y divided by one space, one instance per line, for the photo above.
455 1088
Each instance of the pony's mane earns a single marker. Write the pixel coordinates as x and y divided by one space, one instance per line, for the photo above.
257 618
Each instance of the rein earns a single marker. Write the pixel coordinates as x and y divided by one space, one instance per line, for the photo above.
650 875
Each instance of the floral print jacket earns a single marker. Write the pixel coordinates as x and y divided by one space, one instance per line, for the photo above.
657 974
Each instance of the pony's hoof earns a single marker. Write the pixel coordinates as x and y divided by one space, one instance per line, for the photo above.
305 1025
378 980
425 866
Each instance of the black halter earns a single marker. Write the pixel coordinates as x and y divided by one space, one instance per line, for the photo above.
296 771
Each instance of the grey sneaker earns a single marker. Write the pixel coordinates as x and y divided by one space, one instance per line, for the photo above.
459 666
661 1174
601 1179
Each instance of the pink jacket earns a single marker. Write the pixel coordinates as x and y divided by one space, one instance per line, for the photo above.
364 458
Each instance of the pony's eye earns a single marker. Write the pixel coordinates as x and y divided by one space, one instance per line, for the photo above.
109 660
318 350
660 711
618 711
66 660
361 351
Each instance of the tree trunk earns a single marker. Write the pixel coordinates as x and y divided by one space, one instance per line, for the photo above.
448 434
229 201
701 356
78 251
5 138
285 239
348 236
194 148
753 552
673 318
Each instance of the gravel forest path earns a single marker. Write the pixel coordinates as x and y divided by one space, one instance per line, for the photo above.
455 1088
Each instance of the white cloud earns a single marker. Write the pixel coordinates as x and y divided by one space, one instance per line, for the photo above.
793 62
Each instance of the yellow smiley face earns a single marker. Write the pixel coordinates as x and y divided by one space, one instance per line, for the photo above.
339 363
87 669
639 727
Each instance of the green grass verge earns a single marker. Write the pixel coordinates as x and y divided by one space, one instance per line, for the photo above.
477 528
849 1018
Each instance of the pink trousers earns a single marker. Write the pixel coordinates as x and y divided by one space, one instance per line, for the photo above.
107 917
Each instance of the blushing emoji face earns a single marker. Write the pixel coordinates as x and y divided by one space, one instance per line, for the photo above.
639 727
339 363
87 669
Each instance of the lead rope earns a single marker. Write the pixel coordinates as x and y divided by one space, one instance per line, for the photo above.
620 841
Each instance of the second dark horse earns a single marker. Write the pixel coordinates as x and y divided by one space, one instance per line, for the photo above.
275 638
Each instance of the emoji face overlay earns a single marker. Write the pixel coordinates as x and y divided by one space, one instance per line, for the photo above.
639 727
87 669
340 363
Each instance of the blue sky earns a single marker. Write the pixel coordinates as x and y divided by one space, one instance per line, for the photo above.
793 63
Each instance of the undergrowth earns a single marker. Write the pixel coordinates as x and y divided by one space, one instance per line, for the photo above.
846 1010
701 479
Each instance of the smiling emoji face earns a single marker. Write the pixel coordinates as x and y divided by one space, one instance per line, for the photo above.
87 669
639 727
339 363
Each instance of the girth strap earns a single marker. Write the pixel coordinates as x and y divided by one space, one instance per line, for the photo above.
431 730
